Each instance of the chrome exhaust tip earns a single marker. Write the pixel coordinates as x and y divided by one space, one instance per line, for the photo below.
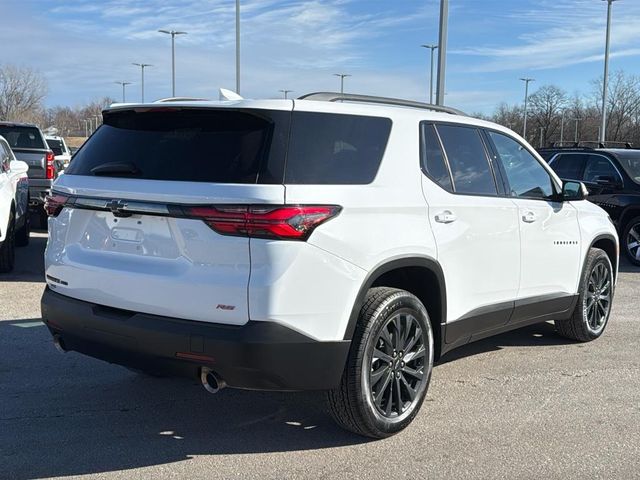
210 381
59 343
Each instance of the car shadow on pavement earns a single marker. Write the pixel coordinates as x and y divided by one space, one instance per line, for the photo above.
67 414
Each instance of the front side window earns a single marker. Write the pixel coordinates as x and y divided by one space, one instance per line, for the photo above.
527 177
432 157
599 168
468 160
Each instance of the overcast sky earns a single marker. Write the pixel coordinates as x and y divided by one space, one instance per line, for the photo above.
83 46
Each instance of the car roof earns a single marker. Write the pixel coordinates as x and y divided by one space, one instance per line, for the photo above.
17 124
394 112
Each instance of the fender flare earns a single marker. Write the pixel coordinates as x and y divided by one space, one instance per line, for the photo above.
387 266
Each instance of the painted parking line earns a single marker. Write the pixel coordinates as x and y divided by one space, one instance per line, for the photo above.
27 324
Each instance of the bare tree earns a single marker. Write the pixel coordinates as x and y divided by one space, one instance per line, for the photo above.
547 104
622 105
22 91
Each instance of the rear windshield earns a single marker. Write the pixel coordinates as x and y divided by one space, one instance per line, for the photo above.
335 149
55 146
22 137
221 146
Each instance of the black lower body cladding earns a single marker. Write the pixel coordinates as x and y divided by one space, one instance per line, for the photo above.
258 355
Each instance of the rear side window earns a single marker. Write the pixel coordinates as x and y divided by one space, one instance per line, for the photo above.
432 159
468 160
600 167
569 166
55 146
192 145
22 137
328 148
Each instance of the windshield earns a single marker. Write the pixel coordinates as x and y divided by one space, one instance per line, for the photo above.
56 146
630 161
22 137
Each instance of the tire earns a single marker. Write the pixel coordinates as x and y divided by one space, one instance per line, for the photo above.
402 384
591 314
43 218
631 240
7 248
22 234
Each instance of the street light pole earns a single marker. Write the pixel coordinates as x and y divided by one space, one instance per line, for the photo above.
342 77
603 128
576 120
526 104
442 51
142 67
238 47
432 48
285 92
562 128
124 84
173 34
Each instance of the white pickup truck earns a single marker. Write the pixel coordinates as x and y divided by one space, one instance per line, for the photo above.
14 203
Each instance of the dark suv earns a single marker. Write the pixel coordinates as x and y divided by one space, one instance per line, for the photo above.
612 176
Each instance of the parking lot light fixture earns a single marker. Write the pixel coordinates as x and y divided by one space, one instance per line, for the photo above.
285 92
603 128
173 34
124 84
142 67
432 48
342 77
526 104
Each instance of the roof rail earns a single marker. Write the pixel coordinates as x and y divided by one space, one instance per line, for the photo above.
591 144
351 97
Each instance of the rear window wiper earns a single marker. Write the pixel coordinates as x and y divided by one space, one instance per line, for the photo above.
115 168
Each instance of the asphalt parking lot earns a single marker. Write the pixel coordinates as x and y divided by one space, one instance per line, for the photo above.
526 404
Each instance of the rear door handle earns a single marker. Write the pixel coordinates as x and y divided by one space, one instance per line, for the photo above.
529 217
445 217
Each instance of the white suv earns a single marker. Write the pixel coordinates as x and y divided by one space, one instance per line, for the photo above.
338 243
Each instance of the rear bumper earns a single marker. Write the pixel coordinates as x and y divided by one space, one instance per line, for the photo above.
38 189
258 355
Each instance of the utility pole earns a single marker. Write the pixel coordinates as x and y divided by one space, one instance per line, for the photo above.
526 104
562 128
173 34
603 128
541 134
238 47
124 84
432 48
285 92
342 77
142 67
442 51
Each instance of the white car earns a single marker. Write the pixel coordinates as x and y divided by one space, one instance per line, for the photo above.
333 242
14 205
60 150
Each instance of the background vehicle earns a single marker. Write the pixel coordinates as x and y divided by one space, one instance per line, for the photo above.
181 241
60 150
612 176
14 202
28 145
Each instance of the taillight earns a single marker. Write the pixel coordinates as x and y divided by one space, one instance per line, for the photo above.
50 172
257 221
53 203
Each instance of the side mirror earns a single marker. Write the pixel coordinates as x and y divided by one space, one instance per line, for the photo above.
18 166
573 191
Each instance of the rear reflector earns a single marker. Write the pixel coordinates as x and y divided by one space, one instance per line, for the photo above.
258 221
50 172
53 203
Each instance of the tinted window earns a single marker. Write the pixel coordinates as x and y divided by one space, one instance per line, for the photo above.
467 159
55 146
526 176
630 161
569 166
432 158
224 146
328 148
22 137
598 166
